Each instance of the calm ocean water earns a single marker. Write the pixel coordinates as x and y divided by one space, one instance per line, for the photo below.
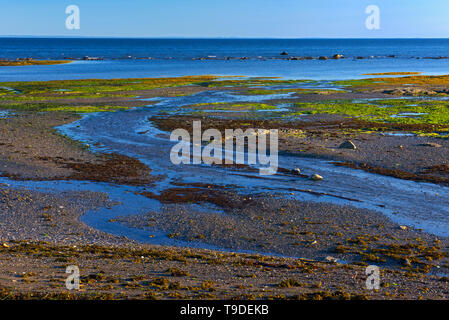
125 58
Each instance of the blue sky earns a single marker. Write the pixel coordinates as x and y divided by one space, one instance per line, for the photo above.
228 18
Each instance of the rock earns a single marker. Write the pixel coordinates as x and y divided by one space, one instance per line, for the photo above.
323 58
348 144
92 58
5 245
403 227
284 53
296 171
430 144
316 177
406 262
331 259
337 56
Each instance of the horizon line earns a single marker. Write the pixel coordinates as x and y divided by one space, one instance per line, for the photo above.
221 38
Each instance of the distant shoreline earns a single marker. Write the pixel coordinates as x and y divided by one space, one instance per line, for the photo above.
30 62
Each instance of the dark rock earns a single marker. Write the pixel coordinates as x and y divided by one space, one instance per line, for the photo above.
406 262
348 144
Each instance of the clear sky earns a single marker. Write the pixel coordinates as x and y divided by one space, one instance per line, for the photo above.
227 18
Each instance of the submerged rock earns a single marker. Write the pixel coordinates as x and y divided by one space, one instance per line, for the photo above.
284 53
348 144
323 58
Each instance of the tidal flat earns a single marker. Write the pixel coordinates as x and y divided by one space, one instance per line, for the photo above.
86 180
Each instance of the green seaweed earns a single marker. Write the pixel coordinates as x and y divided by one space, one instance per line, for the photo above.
386 111
95 86
53 107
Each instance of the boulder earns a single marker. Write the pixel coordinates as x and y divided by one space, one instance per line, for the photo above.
296 171
331 259
323 58
348 144
316 177
337 56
